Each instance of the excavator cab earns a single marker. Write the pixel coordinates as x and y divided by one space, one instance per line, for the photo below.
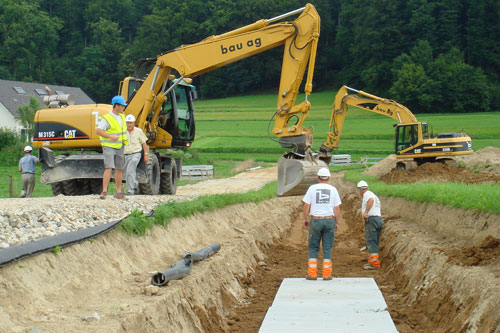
407 136
129 86
177 114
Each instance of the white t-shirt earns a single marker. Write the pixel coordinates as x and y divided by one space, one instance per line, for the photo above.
375 210
322 197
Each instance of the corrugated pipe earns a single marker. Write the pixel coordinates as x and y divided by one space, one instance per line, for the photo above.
203 253
182 267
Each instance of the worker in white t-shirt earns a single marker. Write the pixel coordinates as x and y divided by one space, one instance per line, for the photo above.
370 209
322 202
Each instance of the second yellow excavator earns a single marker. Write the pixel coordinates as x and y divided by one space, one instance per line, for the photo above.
414 140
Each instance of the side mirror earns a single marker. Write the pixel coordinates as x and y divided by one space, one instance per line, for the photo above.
194 95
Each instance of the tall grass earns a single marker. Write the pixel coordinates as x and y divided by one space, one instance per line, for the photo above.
459 195
138 223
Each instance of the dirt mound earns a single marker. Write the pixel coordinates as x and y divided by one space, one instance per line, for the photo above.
438 172
484 160
486 253
381 168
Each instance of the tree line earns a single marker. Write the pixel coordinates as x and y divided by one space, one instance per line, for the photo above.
432 56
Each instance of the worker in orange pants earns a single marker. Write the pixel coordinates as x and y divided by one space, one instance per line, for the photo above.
322 202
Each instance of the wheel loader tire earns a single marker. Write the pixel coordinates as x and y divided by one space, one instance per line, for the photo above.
57 188
168 184
153 176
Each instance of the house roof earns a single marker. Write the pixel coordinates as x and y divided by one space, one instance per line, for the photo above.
16 93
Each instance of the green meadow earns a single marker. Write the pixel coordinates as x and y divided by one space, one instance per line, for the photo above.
233 127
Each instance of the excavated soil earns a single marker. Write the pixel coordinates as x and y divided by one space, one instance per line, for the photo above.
438 172
440 269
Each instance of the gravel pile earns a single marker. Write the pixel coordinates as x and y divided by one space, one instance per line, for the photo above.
26 220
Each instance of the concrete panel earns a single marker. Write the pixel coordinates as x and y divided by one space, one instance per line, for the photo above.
339 305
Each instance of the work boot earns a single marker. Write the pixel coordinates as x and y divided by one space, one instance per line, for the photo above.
369 266
103 195
312 269
119 195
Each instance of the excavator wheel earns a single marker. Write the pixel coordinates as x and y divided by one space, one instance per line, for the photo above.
296 175
168 183
153 176
95 186
70 187
57 188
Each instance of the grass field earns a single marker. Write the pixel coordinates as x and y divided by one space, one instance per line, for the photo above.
232 130
227 128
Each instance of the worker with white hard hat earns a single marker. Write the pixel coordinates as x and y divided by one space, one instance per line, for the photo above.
133 153
322 203
370 209
27 169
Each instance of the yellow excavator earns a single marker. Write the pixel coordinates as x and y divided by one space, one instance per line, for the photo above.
414 140
163 107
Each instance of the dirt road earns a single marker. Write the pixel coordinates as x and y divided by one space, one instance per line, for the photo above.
440 269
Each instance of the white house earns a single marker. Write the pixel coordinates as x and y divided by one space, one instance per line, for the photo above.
16 93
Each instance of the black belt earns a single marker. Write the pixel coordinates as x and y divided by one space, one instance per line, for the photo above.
134 153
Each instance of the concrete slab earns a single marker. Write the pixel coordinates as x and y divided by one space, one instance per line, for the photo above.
339 305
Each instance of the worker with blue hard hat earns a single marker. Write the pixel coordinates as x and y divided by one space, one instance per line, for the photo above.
112 131
118 100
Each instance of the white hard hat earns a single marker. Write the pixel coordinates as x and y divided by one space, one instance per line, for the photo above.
28 148
362 184
324 173
130 117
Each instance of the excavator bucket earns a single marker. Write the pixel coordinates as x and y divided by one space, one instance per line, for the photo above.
296 175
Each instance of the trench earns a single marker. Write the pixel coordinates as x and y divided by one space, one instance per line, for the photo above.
425 284
427 279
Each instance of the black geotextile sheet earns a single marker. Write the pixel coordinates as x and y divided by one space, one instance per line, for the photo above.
18 252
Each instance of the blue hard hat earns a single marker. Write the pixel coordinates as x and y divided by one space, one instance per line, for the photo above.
118 100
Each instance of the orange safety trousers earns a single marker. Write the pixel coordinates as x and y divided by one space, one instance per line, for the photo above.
327 268
374 260
312 267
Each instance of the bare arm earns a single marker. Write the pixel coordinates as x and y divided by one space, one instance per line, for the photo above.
145 147
306 214
336 210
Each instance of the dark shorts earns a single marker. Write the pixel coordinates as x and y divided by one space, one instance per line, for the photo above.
113 158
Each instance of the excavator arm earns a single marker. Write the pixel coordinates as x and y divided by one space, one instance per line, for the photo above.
300 38
366 101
